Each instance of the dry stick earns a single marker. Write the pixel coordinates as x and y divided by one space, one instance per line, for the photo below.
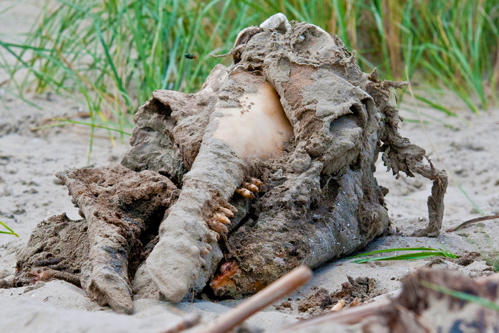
280 288
469 222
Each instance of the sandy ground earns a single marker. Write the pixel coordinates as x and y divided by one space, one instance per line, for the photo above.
467 147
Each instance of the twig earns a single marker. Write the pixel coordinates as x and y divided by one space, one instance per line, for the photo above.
469 222
280 288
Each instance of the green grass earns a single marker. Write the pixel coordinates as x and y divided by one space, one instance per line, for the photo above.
424 252
115 53
462 295
9 230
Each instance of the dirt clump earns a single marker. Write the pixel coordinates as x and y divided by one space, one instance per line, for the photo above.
320 299
55 251
352 293
360 288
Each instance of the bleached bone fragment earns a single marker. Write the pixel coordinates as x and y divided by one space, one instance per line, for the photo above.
277 22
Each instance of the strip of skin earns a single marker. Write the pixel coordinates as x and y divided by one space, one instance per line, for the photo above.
108 251
104 196
234 135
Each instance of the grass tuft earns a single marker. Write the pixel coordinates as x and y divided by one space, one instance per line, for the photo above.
116 53
425 252
9 230
461 295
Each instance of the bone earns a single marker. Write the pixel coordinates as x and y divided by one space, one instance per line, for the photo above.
338 306
278 22
255 126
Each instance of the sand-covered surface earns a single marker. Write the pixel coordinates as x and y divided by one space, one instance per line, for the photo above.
466 147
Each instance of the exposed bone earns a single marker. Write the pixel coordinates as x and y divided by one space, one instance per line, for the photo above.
278 22
338 306
255 127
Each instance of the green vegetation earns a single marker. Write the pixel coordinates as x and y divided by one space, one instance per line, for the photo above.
116 52
9 230
425 252
462 295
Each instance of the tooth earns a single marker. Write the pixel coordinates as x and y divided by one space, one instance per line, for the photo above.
251 187
256 181
231 208
245 193
219 227
221 218
212 236
206 249
227 212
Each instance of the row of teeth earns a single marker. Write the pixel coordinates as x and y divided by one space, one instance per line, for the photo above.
249 188
222 217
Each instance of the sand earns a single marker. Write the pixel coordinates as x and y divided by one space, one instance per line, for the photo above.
466 147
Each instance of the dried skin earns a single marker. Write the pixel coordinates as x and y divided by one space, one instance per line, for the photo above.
55 250
122 211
